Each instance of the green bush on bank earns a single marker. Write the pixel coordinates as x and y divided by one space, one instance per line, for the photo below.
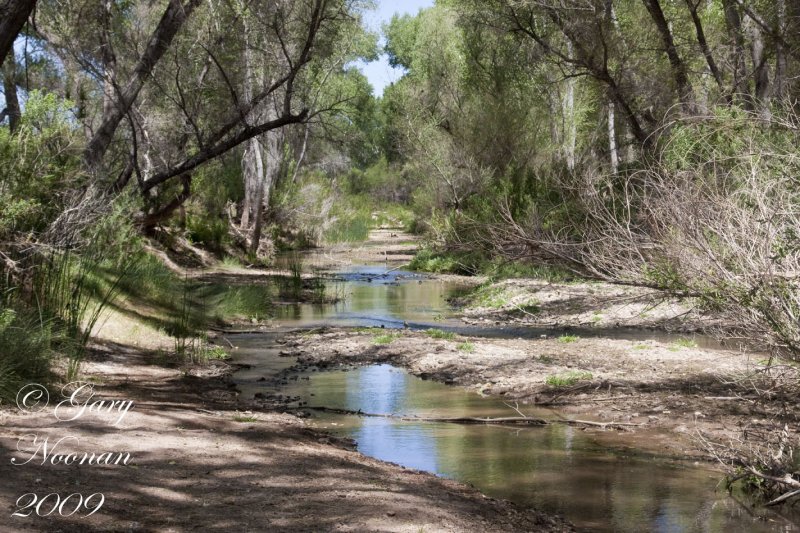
480 264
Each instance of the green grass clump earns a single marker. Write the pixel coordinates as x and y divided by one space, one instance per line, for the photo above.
568 379
243 418
440 334
490 296
395 216
567 339
466 347
25 352
217 352
384 338
226 302
428 260
230 261
685 343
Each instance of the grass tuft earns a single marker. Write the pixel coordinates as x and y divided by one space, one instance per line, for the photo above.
384 338
440 334
685 343
568 379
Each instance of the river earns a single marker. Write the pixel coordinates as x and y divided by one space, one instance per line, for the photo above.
594 481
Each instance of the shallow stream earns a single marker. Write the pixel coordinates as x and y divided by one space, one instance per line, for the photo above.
592 480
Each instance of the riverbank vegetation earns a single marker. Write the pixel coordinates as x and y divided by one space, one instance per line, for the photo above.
643 143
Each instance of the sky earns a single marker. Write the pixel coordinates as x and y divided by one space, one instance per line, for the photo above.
379 73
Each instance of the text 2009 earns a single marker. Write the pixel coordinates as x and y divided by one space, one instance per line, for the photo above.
31 504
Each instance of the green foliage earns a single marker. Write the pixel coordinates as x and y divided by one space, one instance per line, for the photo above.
217 352
41 166
75 282
25 350
684 343
568 339
466 347
252 302
384 338
291 286
401 40
394 216
429 260
488 295
354 227
440 334
210 232
477 263
214 187
567 379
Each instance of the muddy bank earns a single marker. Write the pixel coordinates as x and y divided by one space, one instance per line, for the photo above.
669 390
198 462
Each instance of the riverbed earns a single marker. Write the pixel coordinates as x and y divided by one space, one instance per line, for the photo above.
599 480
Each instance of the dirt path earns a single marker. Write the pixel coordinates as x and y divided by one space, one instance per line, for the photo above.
198 464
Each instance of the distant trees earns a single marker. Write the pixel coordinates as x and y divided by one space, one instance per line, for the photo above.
562 131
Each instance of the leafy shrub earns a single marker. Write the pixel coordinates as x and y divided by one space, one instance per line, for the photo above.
211 232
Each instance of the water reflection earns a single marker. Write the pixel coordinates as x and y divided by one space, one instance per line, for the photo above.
556 468
371 296
379 437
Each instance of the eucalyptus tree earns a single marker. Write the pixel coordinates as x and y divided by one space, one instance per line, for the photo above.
322 88
167 85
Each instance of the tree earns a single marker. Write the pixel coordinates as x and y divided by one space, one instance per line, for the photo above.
13 15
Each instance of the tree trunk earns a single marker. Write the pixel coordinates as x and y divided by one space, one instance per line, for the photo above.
171 22
781 60
253 176
761 93
271 166
701 40
733 22
612 139
302 155
252 161
571 137
13 15
109 62
10 89
679 72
